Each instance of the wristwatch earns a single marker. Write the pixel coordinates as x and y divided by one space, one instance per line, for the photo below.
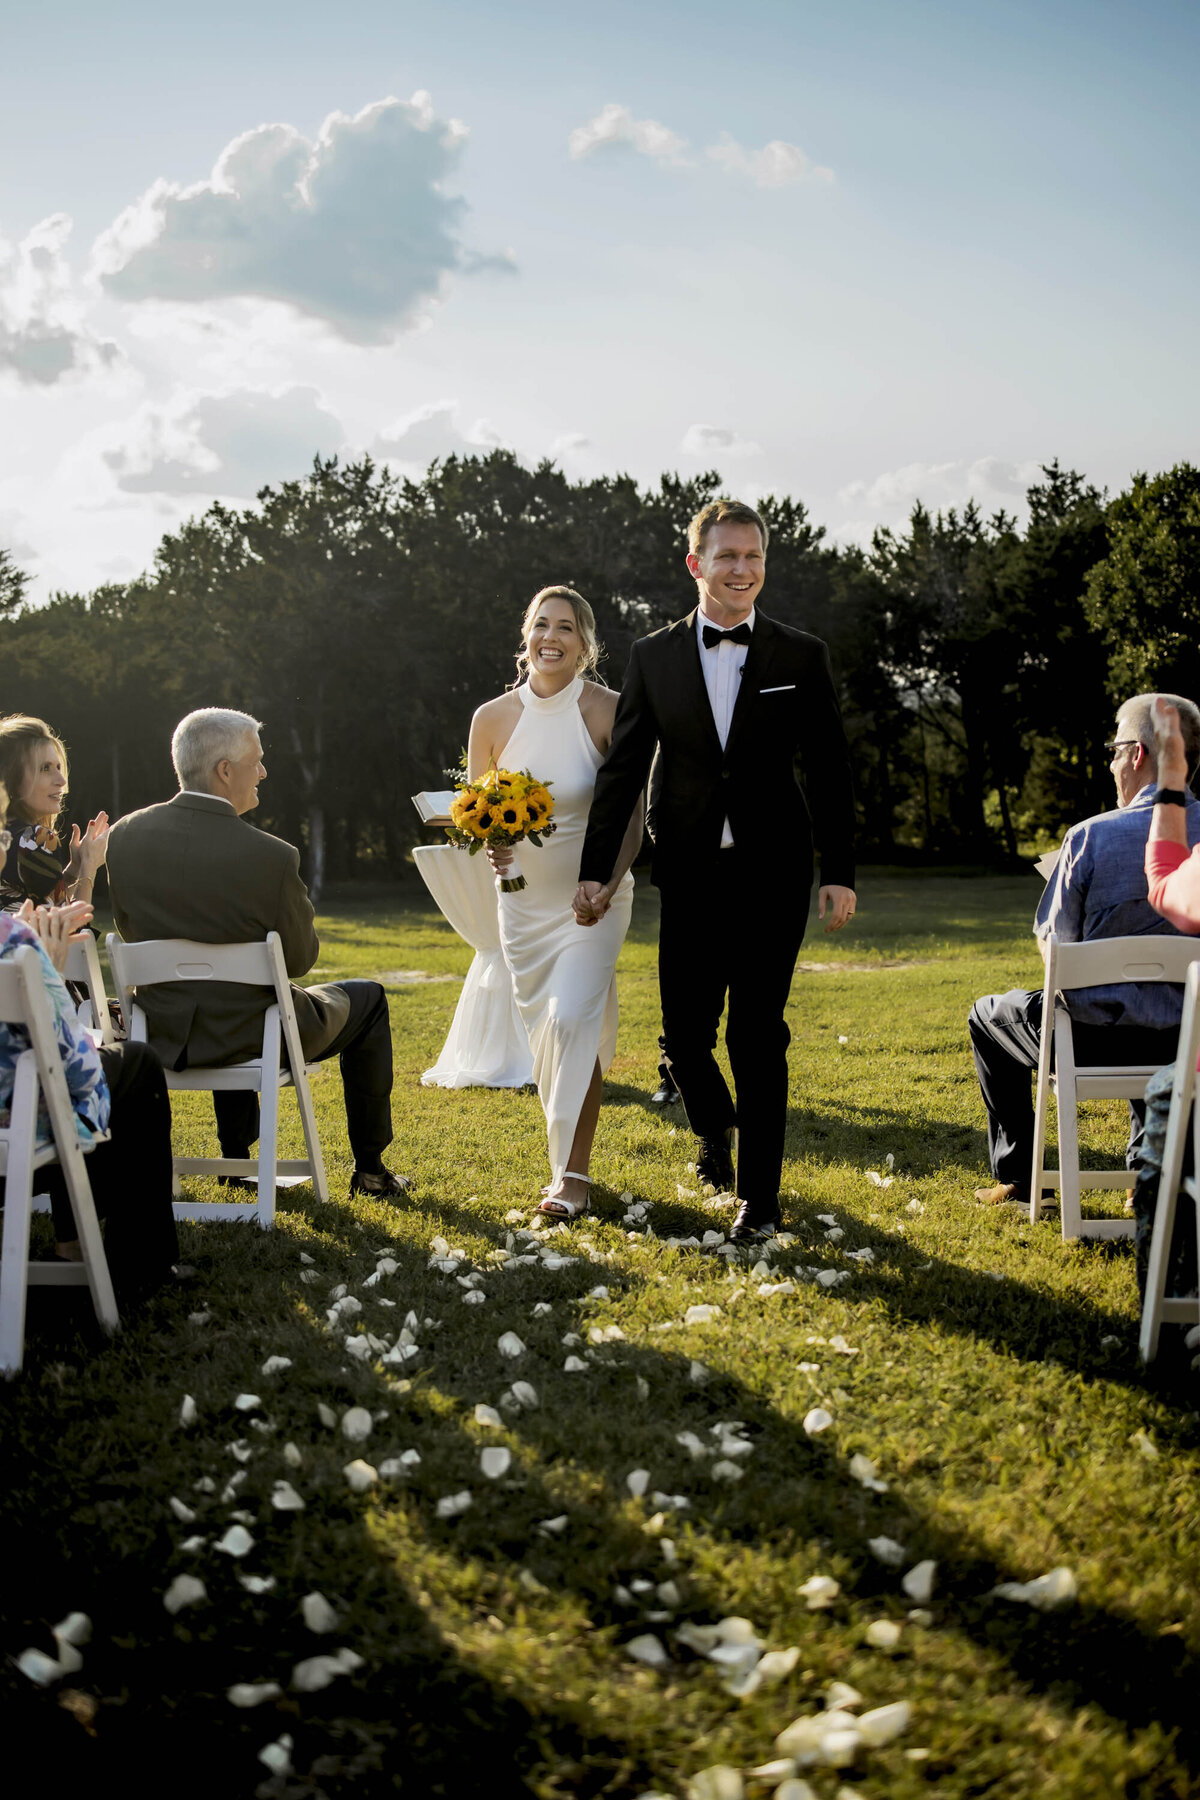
1170 797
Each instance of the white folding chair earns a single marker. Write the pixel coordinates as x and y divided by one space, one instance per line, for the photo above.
1159 1308
137 966
83 968
24 1001
1068 967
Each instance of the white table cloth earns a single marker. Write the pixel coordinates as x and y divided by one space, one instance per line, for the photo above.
486 1045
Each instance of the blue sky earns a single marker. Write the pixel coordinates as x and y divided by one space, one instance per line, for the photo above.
858 254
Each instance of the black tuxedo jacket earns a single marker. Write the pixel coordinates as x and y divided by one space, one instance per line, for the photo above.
782 780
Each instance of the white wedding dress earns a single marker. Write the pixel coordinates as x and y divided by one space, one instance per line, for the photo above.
562 972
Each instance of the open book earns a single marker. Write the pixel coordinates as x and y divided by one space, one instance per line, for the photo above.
434 808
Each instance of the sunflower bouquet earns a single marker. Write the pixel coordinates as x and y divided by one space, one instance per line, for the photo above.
503 808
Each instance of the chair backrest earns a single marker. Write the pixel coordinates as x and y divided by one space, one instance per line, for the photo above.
25 1001
83 968
258 964
1104 961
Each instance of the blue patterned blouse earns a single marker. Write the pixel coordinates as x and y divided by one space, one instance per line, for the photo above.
81 1060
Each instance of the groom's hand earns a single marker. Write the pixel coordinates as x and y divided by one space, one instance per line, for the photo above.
590 903
839 902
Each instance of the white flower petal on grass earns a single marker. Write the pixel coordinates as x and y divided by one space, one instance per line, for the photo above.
474 1298
883 1634
778 1287
509 1344
919 1615
649 1650
541 1309
777 1663
37 1667
780 1772
556 1526
720 1782
525 1394
316 1672
637 1481
69 1659
257 1584
864 1471
574 1366
839 1344
701 1315
317 1613
275 1365
884 1724
236 1542
284 1498
252 1693
887 1551
183 1513
360 1475
829 1278
199 1318
1140 1441
487 1415
918 1583
726 1471
819 1592
326 1415
495 1461
185 1590
76 1629
839 1696
357 1425
187 1411
247 1403
1057 1588
451 1506
358 1347
309 1277
698 1373
817 1420
292 1456
306 1259
193 1545
514 1217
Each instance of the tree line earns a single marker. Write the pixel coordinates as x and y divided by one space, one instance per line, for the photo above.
363 617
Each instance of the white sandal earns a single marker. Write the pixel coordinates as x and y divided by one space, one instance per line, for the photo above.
557 1206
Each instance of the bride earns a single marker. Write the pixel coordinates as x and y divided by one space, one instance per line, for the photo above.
559 725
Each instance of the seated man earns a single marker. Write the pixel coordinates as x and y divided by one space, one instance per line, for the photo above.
1098 889
191 868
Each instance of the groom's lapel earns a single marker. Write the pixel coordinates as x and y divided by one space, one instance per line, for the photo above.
689 683
755 673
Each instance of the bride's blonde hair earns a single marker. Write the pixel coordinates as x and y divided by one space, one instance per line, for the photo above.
585 622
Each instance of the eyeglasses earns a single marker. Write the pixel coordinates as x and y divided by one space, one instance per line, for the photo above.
5 839
1122 743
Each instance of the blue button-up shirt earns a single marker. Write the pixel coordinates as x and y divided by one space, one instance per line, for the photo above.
1098 890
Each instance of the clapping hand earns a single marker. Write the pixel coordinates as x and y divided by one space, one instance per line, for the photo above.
89 849
56 926
591 902
1170 755
840 903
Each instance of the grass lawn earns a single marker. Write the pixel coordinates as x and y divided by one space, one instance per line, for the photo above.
994 1385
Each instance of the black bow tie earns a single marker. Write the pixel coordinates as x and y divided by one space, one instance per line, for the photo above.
713 635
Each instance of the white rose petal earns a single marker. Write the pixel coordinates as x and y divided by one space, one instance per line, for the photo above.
326 1415
247 1402
918 1583
839 1344
257 1584
574 1366
720 1782
701 1315
358 1347
316 1672
185 1590
451 1506
487 1415
318 1615
276 1756
884 1724
252 1693
357 1425
36 1666
819 1592
726 1471
883 1634
637 1481
555 1526
474 1298
509 1344
275 1365
187 1411
887 1551
839 1696
495 1461
1058 1588
183 1513
292 1456
777 1663
541 1309
236 1542
360 1475
525 1394
76 1628
817 1420
284 1498
649 1650
1145 1444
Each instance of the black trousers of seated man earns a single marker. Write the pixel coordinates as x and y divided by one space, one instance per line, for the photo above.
364 1050
130 1175
1006 1037
721 937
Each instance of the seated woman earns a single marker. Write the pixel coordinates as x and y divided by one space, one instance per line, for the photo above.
33 768
1173 882
120 1090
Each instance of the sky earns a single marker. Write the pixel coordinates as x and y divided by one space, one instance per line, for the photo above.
860 254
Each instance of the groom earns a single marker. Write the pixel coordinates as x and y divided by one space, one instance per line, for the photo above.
754 766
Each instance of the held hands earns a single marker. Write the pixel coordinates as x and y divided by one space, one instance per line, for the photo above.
591 902
56 926
88 850
840 902
1170 754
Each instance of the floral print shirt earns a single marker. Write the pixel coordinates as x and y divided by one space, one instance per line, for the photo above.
81 1059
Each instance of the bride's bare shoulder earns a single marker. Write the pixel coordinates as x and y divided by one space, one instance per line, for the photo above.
495 712
599 703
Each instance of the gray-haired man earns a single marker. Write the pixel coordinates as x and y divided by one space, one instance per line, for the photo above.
193 867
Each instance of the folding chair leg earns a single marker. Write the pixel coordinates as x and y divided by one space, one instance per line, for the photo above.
1178 1123
312 1141
268 1126
14 1268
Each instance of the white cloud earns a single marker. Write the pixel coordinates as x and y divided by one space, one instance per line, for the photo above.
777 164
433 431
356 229
615 124
42 334
990 480
229 444
717 441
569 443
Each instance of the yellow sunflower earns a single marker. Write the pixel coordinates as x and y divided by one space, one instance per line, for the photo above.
513 816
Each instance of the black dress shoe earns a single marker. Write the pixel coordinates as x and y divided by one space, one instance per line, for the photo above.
384 1186
755 1223
666 1095
714 1162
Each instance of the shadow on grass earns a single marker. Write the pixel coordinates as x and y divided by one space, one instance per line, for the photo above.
96 1533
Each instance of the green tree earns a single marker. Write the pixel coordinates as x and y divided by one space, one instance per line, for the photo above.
1144 597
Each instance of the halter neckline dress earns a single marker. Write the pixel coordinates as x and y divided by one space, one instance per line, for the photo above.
563 973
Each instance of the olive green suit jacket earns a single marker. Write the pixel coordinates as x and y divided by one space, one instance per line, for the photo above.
191 868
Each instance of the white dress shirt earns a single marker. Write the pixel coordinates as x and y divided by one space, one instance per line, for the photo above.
722 666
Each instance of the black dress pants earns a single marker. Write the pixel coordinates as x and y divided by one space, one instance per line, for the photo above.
1006 1037
721 936
364 1049
130 1176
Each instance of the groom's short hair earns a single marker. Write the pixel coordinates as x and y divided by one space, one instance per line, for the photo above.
723 512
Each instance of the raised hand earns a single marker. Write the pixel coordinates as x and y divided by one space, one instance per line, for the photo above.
840 902
1170 755
56 926
89 849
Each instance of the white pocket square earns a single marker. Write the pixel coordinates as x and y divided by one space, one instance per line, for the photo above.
788 688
